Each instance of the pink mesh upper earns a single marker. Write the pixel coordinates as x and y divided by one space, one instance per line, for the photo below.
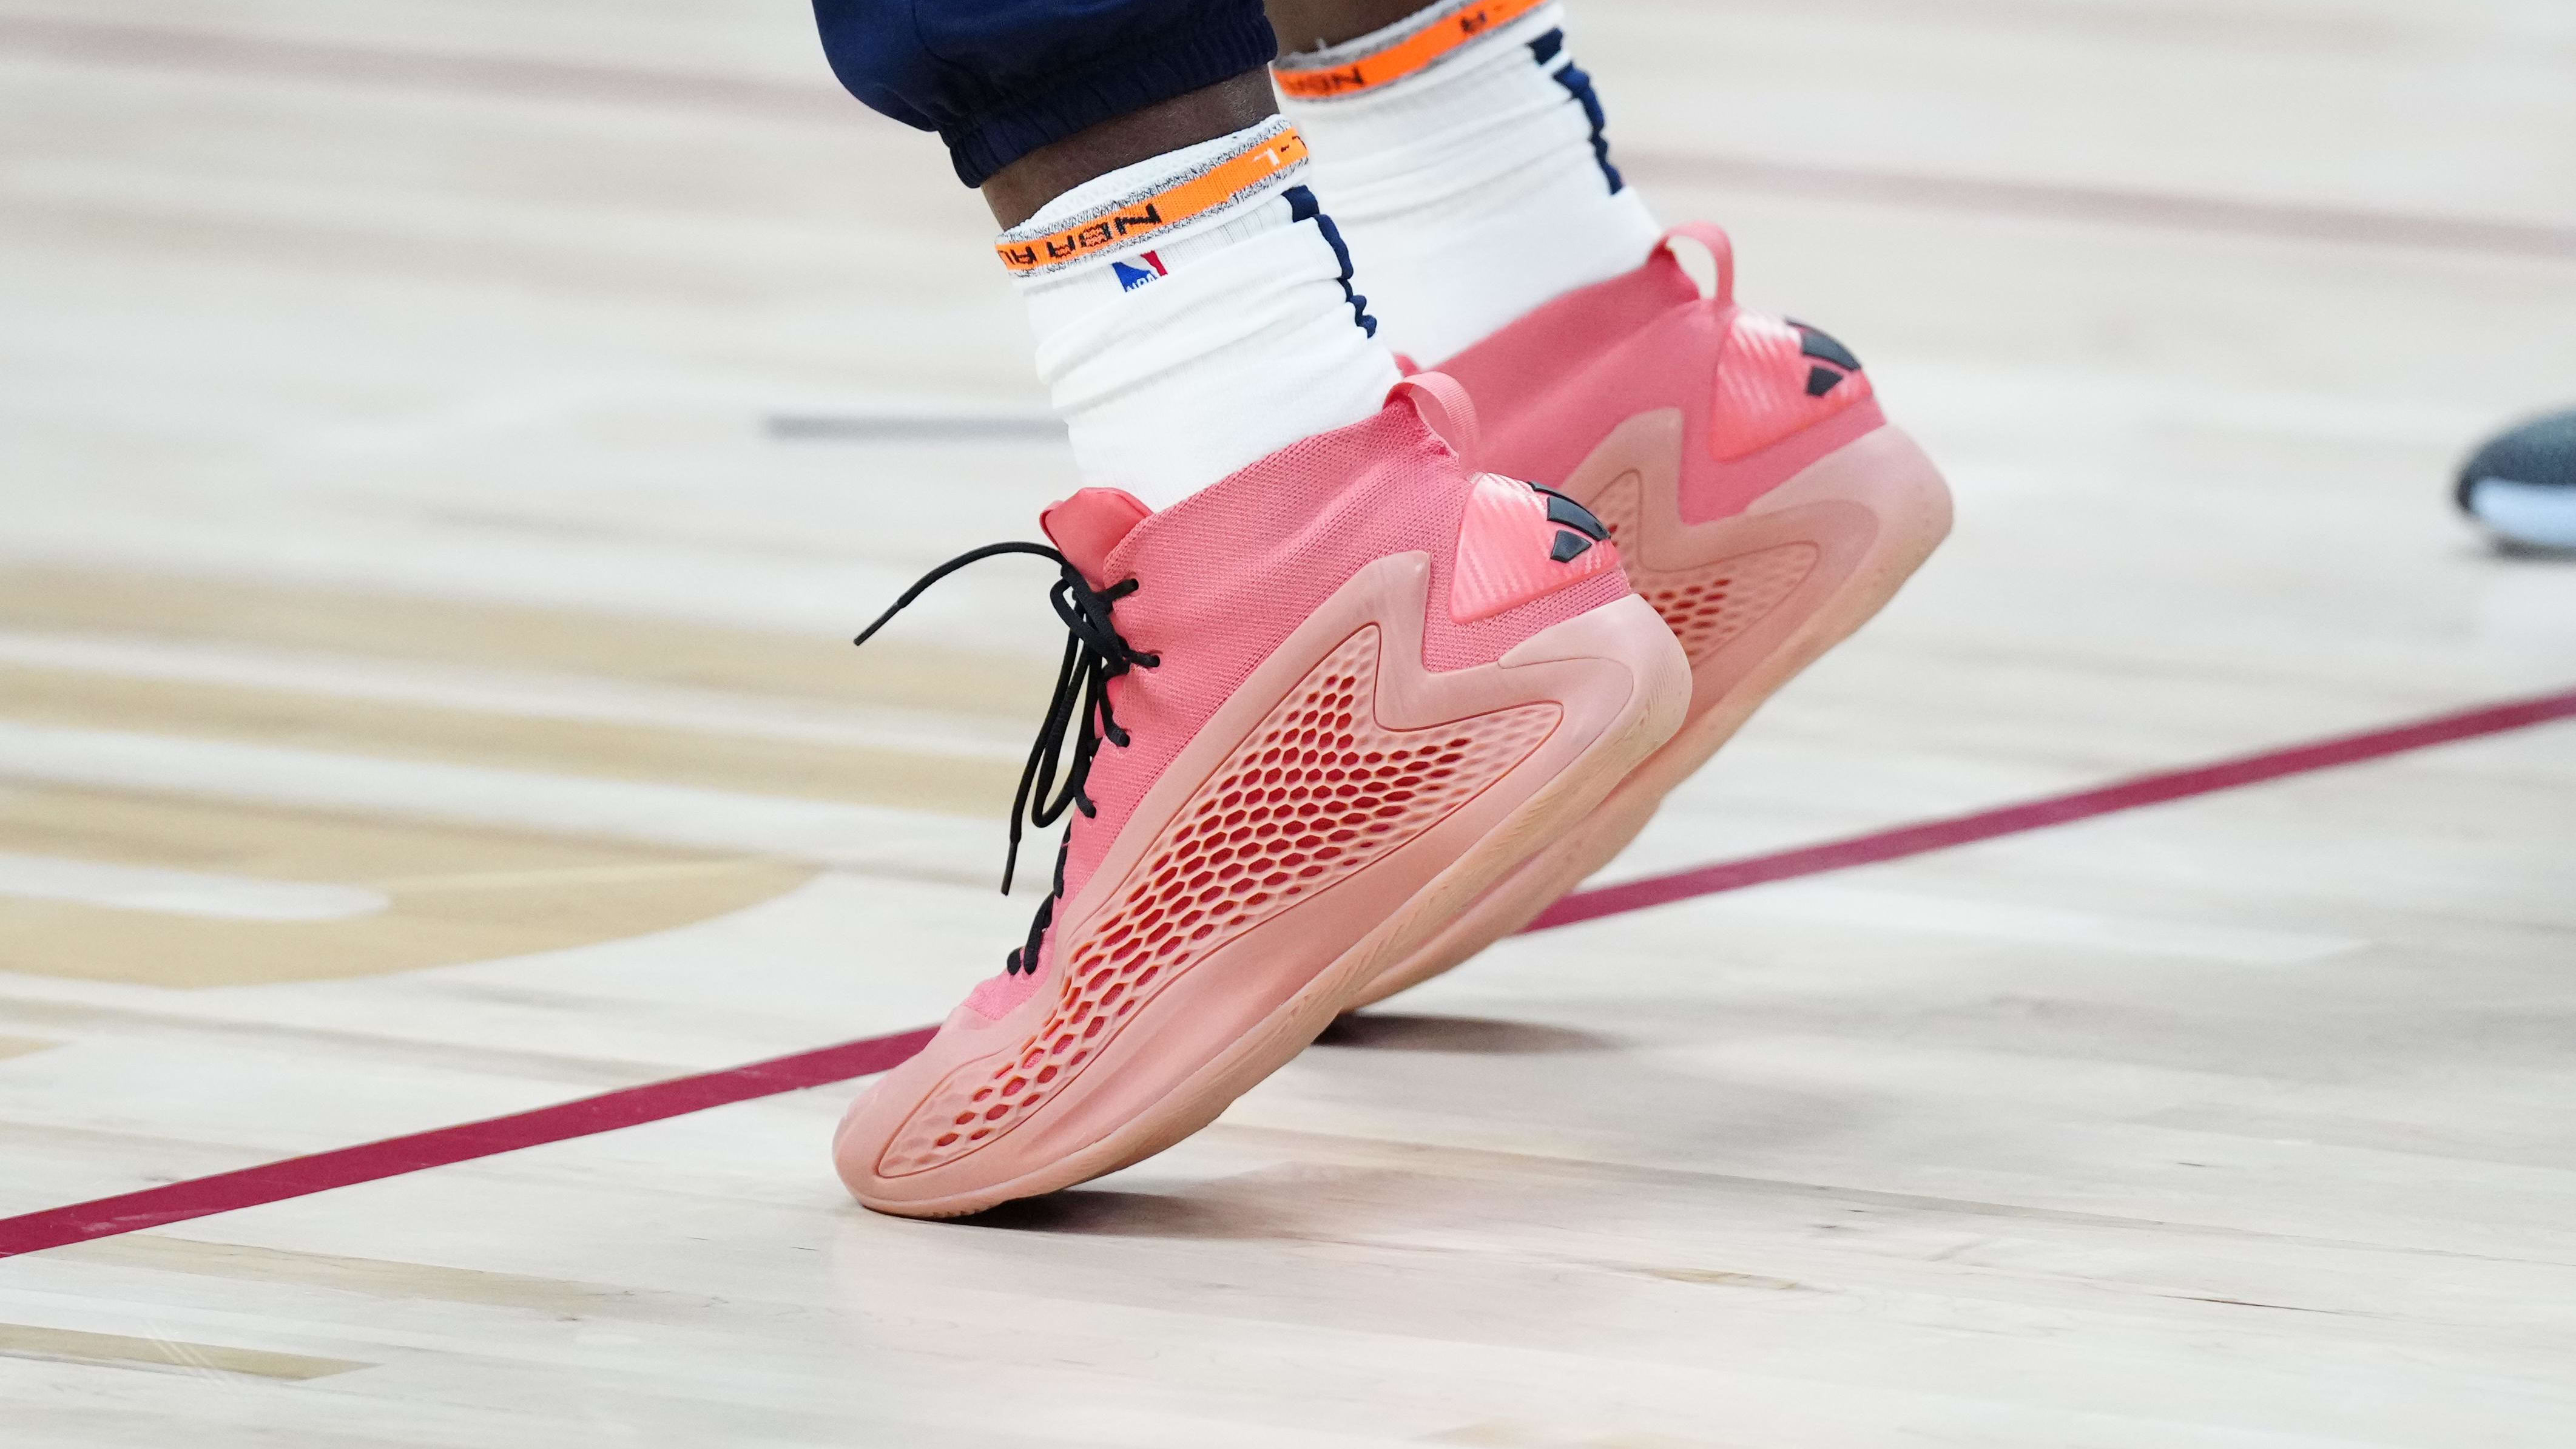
1226 574
999 995
1553 384
1319 790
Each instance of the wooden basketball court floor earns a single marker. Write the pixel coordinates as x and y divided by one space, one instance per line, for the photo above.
444 447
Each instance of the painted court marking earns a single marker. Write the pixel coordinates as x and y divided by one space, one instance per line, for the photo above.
653 1101
208 894
2130 794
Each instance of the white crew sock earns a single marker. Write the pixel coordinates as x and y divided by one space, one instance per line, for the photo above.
1461 150
1194 313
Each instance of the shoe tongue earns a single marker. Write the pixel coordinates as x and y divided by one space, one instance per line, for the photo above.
1087 526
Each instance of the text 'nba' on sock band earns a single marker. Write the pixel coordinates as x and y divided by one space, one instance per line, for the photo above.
1222 184
1412 47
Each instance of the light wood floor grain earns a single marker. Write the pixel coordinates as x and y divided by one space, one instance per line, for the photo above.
443 448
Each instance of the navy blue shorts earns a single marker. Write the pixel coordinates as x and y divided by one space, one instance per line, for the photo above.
999 78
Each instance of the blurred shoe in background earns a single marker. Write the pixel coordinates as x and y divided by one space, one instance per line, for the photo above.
2522 485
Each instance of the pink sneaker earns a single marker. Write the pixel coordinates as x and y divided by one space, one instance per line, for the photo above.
1342 693
1759 499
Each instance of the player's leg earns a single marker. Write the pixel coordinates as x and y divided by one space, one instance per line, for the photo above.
1740 460
1466 156
1121 145
1325 685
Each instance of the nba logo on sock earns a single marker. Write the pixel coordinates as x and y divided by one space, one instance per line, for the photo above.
1130 277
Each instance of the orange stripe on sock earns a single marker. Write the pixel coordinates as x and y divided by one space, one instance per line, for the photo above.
1219 185
1405 57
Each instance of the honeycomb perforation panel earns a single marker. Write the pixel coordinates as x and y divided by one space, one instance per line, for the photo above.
1318 791
1709 606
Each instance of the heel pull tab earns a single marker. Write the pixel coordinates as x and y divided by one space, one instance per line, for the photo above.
1709 238
1444 408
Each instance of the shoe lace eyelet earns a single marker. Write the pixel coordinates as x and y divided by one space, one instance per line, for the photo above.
1079 711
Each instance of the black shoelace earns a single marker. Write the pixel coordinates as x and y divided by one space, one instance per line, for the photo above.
1094 654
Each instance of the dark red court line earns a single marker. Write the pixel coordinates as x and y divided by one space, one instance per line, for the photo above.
631 1106
344 1166
2129 794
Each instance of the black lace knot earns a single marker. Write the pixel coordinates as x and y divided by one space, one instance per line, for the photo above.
1078 714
